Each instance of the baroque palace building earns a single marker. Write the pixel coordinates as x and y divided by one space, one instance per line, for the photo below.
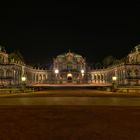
70 68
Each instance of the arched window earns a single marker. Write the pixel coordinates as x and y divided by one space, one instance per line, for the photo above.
95 78
98 76
1 73
129 72
136 72
9 73
44 77
37 77
69 66
40 77
1 59
102 77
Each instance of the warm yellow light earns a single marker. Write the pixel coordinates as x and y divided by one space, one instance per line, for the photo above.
82 71
114 78
69 75
56 71
23 78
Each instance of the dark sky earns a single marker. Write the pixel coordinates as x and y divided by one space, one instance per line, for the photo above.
42 33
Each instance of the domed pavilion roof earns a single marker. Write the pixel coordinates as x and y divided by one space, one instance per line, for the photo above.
69 54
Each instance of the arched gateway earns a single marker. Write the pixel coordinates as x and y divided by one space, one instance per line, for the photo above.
69 68
69 77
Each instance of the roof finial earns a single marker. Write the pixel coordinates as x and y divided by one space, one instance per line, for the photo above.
69 51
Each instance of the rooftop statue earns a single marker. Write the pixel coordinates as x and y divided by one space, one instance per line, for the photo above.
137 48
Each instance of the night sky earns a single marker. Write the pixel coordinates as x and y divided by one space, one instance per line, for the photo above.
42 33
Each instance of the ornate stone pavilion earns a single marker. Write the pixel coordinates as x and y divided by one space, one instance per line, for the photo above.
70 68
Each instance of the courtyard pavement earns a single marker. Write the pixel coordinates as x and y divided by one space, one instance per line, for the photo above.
71 97
69 115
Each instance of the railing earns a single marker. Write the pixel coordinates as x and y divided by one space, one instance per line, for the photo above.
129 89
15 90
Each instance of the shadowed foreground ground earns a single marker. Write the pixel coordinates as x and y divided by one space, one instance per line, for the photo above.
69 123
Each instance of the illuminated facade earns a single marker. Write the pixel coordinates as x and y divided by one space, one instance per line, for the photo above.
127 72
70 68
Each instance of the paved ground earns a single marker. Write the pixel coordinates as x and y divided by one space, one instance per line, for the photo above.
70 115
71 97
83 101
69 123
75 92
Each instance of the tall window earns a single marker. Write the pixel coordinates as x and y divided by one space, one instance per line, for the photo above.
78 67
69 67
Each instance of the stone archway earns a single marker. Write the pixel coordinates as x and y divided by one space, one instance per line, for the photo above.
69 77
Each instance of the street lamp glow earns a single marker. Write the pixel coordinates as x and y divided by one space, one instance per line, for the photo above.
56 71
23 78
82 71
114 78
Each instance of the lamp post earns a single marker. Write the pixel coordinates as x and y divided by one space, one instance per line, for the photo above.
23 79
56 71
114 79
82 72
14 77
